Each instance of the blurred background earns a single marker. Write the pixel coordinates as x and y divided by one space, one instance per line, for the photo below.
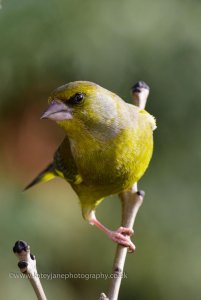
45 44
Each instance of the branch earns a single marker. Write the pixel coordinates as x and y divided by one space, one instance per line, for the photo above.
131 201
27 265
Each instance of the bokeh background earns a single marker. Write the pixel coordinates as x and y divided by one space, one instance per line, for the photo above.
44 44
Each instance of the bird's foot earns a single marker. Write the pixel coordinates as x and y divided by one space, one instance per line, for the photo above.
122 236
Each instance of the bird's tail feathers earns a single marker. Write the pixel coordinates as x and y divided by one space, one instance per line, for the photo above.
46 175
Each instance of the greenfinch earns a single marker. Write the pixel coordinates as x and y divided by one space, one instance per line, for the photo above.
107 147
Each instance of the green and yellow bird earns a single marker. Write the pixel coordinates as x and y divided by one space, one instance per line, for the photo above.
107 148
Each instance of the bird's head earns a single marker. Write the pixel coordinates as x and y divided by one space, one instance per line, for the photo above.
81 104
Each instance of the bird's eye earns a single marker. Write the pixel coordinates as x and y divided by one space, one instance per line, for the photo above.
77 98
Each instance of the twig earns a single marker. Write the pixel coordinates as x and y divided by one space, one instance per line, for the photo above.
131 201
103 297
27 265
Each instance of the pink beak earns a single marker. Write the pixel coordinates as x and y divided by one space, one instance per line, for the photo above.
57 111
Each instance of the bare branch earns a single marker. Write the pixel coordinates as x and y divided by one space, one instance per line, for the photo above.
131 202
27 265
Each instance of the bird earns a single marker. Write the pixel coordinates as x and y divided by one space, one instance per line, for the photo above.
107 147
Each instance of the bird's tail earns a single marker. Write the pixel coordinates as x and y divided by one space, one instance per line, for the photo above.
46 175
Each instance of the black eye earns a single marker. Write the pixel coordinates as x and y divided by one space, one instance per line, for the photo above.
77 98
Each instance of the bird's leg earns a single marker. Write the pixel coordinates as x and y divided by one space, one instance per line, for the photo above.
120 236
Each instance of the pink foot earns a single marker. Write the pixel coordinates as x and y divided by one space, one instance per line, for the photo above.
122 237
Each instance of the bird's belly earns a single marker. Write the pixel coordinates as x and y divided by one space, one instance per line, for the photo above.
111 179
115 172
113 167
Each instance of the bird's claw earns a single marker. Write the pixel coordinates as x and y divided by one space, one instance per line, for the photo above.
122 237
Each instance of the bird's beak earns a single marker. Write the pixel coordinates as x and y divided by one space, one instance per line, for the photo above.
57 111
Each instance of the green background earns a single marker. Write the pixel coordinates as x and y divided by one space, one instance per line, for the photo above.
44 44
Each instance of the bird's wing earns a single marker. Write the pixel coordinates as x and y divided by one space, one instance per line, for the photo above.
63 166
65 163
